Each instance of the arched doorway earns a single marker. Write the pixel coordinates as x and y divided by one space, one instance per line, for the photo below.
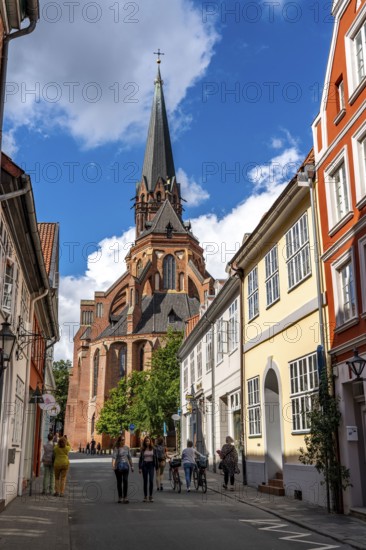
272 419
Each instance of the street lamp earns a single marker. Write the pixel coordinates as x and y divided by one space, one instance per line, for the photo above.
7 342
357 364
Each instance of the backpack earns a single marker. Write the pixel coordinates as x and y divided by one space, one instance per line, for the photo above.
160 452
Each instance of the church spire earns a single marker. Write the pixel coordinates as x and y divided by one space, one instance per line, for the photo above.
158 161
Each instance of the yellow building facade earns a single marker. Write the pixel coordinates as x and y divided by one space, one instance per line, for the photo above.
281 332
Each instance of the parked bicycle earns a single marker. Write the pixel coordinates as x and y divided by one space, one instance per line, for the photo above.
174 465
199 474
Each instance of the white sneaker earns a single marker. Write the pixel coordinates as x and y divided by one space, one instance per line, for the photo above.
188 490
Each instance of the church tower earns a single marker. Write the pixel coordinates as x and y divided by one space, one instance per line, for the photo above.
164 285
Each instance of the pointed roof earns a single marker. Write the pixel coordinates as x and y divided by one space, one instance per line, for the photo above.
166 215
158 161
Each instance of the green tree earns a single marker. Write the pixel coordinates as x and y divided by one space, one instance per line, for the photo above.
321 444
61 374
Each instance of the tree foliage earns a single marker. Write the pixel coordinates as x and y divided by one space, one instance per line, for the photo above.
321 443
148 398
61 374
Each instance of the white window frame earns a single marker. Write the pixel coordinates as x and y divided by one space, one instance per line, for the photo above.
253 297
234 401
192 367
209 343
185 375
359 160
99 309
304 384
340 96
233 327
362 257
18 412
335 221
337 267
298 252
254 407
272 276
199 360
220 340
355 83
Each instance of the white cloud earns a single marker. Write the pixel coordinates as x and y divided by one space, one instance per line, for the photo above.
9 145
219 237
191 191
95 79
276 143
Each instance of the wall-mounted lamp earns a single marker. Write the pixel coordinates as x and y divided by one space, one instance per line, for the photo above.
357 364
7 342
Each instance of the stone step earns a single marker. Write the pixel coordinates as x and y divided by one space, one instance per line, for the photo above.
359 513
271 490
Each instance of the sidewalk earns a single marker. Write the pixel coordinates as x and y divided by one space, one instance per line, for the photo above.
343 529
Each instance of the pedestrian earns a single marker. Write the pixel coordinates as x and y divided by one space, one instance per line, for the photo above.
189 462
92 446
88 448
161 453
48 473
61 465
229 458
99 447
147 464
121 464
55 438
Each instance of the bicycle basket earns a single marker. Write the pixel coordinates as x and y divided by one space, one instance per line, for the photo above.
202 462
175 463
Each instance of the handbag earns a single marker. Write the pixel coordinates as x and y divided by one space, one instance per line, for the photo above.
122 466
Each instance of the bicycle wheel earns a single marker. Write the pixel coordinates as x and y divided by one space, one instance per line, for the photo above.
195 478
172 480
179 483
204 483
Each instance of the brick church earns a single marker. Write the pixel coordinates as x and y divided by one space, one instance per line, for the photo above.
164 284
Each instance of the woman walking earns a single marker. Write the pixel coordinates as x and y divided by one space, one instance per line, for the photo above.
121 464
48 474
147 464
229 457
161 453
189 462
61 465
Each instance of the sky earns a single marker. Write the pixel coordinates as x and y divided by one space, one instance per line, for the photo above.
242 84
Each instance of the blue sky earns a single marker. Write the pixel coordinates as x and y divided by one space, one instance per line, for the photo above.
242 88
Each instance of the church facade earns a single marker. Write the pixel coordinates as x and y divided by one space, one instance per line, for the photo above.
164 284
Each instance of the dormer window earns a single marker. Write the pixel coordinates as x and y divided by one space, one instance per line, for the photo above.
158 196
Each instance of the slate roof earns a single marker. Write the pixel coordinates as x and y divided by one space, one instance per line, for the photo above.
158 161
47 232
155 312
165 215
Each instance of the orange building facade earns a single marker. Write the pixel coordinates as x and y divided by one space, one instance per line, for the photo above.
339 133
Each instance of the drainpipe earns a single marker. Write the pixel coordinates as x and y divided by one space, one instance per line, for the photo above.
25 411
32 13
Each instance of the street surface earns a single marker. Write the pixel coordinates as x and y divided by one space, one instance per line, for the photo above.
180 521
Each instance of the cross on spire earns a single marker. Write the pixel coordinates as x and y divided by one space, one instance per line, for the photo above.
159 53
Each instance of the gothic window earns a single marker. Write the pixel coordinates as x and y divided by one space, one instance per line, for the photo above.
92 428
139 268
142 198
157 281
95 373
79 371
169 272
158 196
122 362
141 359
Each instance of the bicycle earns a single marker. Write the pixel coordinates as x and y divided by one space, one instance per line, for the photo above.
175 480
199 474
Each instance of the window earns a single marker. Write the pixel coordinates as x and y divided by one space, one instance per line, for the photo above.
304 384
24 304
272 281
233 326
192 368
185 375
220 340
344 288
359 155
169 272
253 308
10 287
95 373
122 362
340 96
298 252
234 401
139 267
18 412
86 317
99 312
158 196
209 351
360 53
340 192
141 358
254 409
362 256
199 361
